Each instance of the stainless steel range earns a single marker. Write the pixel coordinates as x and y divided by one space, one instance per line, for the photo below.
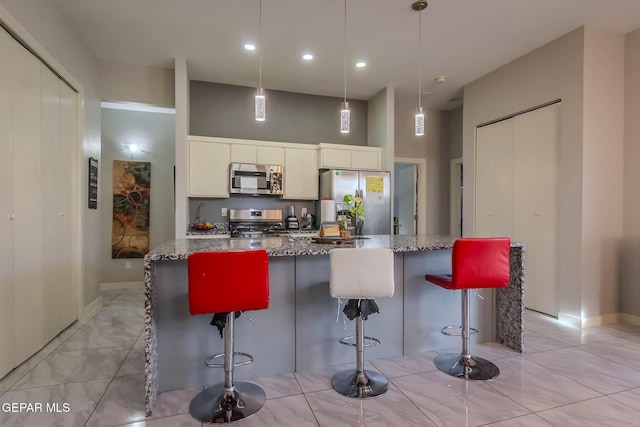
256 223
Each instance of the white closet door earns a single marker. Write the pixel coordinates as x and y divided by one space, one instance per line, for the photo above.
53 247
68 136
6 207
546 195
28 190
524 198
494 180
535 203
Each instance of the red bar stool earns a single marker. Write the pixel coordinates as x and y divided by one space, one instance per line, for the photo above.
359 274
227 282
476 263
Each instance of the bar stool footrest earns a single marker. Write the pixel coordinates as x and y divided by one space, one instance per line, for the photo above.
445 331
372 342
216 405
210 364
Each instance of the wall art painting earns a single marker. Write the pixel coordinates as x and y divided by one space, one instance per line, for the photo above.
131 202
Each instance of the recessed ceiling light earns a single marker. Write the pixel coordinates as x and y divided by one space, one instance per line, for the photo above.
307 57
250 46
361 64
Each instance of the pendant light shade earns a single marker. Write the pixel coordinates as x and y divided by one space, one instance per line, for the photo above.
260 101
419 6
260 105
419 122
345 113
345 118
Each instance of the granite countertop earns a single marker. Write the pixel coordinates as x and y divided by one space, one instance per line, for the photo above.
283 246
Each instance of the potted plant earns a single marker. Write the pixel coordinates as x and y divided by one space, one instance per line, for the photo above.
355 206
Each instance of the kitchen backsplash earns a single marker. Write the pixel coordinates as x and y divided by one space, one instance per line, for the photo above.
211 211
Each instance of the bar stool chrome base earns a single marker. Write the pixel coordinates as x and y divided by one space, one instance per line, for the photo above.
469 368
214 405
361 385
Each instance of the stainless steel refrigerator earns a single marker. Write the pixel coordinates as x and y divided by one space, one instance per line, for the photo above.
376 192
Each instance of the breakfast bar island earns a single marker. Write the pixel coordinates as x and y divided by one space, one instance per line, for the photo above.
300 329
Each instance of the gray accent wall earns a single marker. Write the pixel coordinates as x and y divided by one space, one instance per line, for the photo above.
228 111
455 133
154 132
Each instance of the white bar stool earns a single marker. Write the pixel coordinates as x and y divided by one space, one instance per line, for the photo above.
361 273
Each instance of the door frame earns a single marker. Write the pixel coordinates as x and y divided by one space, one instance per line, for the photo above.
421 165
454 195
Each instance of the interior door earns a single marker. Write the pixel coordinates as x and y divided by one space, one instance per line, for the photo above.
405 196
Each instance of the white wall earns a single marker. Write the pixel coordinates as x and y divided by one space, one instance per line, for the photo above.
135 83
548 73
602 171
154 133
630 295
380 125
50 29
584 69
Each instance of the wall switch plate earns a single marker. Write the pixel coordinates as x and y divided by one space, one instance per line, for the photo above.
223 212
303 212
127 265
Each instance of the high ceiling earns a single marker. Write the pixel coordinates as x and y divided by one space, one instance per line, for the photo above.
462 39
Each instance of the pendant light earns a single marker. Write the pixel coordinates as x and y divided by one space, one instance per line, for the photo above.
419 6
345 113
260 99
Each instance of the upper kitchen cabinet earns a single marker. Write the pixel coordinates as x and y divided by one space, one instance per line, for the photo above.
301 173
208 167
332 156
254 152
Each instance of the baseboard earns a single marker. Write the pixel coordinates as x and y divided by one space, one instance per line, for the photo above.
601 320
570 319
631 319
92 308
108 286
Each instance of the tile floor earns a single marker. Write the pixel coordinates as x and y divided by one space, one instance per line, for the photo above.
566 377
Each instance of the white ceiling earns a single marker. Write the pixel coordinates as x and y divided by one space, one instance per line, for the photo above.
462 39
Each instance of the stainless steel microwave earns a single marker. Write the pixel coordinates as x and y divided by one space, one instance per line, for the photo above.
256 179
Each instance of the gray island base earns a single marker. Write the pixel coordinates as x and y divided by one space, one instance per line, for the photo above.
301 328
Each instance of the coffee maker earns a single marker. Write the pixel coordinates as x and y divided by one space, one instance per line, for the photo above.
292 220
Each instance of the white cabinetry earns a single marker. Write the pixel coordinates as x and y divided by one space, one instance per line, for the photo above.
264 154
301 173
516 195
208 168
37 170
335 156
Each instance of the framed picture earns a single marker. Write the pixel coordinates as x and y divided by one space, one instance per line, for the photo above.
93 183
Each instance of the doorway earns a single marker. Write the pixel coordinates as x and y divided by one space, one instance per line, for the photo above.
456 197
409 195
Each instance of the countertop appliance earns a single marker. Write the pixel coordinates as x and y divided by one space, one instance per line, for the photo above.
256 223
292 219
373 186
256 179
307 222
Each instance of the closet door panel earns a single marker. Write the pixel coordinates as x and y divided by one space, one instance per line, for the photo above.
68 131
494 180
6 207
546 195
52 248
524 200
28 200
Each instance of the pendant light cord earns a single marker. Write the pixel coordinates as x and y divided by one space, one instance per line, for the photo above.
419 61
345 50
260 52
